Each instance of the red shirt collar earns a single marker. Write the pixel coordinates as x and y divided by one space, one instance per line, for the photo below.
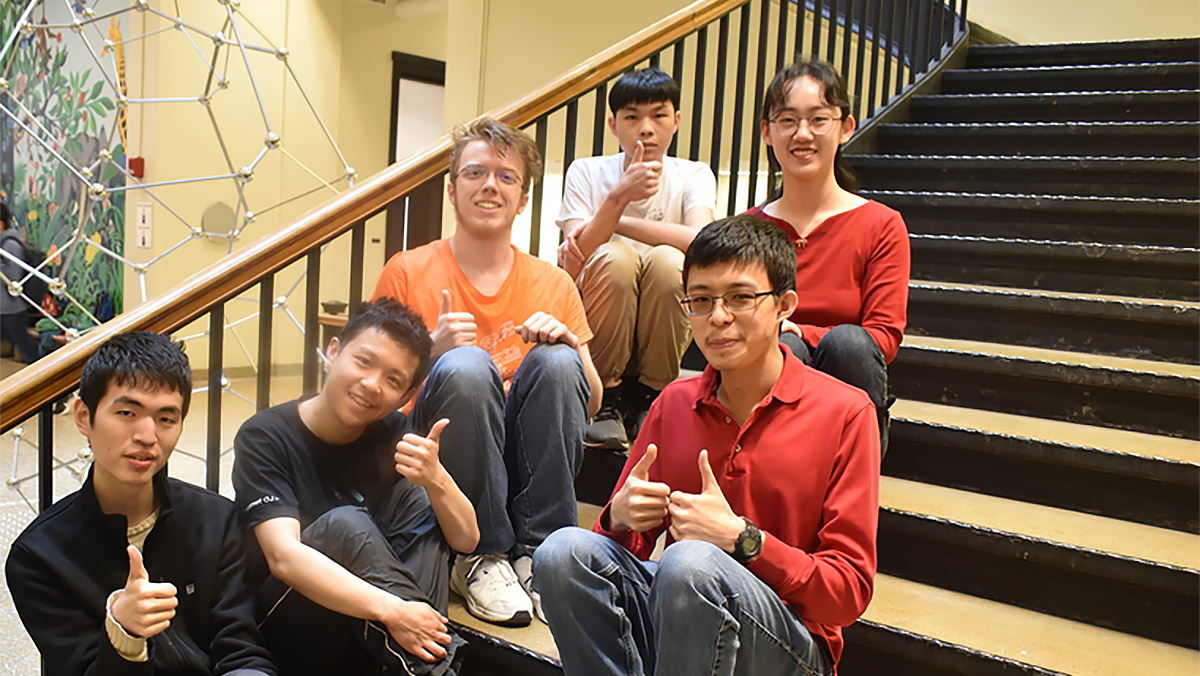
786 389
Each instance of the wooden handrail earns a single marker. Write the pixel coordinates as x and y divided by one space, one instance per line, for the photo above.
24 392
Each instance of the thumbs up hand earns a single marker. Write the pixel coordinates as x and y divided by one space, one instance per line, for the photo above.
143 608
454 329
641 504
417 457
641 176
705 515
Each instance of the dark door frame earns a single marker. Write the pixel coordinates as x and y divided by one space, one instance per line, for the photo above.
424 202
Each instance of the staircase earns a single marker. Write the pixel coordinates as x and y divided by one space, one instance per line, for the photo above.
1041 495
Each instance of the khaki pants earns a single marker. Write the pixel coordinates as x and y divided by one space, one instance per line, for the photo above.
633 306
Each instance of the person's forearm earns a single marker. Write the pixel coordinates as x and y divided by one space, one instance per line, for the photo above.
602 225
326 583
455 515
594 384
657 233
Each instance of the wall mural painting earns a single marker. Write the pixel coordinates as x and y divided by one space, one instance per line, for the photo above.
62 151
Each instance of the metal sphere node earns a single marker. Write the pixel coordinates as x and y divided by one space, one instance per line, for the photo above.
246 174
97 190
281 53
14 288
272 140
57 286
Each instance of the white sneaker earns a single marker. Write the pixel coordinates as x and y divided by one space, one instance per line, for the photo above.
523 567
490 587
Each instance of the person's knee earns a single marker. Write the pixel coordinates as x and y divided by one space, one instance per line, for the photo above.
848 342
557 360
337 526
562 556
613 263
688 572
467 369
664 265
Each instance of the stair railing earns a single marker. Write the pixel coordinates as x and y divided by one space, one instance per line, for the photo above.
882 47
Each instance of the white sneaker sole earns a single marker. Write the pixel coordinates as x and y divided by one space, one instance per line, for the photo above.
521 618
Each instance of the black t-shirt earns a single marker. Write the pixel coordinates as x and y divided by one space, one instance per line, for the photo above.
282 469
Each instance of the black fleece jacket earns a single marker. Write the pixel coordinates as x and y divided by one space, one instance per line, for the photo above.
65 564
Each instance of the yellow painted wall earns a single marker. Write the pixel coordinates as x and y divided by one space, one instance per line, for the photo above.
1035 21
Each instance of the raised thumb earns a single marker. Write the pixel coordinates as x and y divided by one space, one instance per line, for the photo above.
708 481
639 152
137 571
436 431
642 469
445 302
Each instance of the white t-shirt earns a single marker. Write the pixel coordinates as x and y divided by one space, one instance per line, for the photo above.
684 184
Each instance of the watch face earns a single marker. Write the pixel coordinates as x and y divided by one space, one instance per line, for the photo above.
749 542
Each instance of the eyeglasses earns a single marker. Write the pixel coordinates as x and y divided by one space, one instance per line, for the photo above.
475 172
817 124
735 301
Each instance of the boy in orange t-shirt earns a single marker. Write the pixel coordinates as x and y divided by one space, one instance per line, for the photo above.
513 372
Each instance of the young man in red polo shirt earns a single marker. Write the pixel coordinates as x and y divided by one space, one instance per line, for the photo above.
765 475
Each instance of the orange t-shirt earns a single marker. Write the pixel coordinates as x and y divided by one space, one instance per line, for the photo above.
417 277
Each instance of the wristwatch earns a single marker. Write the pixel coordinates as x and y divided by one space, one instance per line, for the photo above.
749 543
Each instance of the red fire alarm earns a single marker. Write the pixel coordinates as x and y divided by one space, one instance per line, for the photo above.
137 166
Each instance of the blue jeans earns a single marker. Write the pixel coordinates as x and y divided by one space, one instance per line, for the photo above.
516 456
847 352
696 612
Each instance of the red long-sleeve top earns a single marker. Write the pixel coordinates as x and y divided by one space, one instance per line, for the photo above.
853 268
804 468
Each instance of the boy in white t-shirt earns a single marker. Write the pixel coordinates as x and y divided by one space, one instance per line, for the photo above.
628 218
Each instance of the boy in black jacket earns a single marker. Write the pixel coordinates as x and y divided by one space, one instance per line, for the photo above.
136 573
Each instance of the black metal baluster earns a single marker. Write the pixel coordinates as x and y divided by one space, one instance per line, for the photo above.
885 92
655 59
876 45
859 58
266 323
926 45
598 121
358 236
848 27
781 45
798 42
935 30
902 65
569 142
831 32
952 23
216 355
719 98
764 25
677 73
739 106
45 457
312 329
698 93
535 221
962 18
818 12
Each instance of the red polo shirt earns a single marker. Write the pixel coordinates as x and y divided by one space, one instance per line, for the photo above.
804 468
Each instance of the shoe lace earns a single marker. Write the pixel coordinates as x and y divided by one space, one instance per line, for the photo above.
503 578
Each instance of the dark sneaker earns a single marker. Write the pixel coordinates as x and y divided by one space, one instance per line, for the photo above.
636 399
607 429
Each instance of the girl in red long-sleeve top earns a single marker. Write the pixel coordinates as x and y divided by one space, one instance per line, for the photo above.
852 255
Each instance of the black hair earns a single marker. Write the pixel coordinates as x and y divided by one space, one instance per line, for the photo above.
833 90
136 359
649 85
744 239
400 323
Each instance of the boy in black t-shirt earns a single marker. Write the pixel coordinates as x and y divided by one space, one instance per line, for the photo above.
353 514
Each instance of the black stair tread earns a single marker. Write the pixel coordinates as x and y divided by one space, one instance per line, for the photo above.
1118 51
1090 250
1111 138
1141 126
1176 164
1106 77
1186 377
1181 452
1042 203
1021 635
1117 106
1072 303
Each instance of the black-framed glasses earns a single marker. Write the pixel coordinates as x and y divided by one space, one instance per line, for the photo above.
789 124
735 301
476 172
